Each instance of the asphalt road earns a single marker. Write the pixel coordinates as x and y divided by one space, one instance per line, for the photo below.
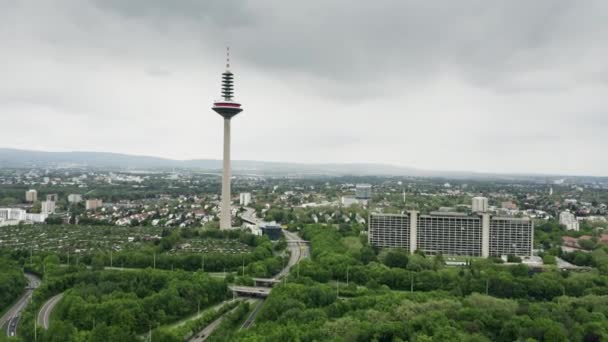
299 251
44 315
249 321
205 333
10 321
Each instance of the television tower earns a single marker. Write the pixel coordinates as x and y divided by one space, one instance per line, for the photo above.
227 108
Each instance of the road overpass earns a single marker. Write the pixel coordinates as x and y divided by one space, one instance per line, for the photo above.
250 291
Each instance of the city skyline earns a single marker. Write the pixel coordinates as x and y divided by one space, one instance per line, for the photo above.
511 91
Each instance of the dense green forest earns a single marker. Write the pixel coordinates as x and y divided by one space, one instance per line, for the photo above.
120 305
12 283
298 312
394 296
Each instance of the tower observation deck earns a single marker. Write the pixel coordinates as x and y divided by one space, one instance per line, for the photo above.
227 108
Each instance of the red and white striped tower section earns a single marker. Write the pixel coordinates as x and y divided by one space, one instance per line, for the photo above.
227 108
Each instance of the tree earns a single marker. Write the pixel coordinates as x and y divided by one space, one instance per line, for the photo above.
396 258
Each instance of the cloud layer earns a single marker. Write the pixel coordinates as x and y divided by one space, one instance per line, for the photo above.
470 85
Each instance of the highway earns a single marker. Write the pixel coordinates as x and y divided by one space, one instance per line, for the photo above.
205 333
249 321
299 250
10 321
44 315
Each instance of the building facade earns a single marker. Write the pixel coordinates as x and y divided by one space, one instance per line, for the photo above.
93 204
47 207
74 198
569 220
272 230
31 196
479 205
452 234
245 198
10 216
363 191
52 197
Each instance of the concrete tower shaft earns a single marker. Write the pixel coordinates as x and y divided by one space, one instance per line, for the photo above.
227 108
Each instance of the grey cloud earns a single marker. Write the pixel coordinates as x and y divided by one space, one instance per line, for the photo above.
426 84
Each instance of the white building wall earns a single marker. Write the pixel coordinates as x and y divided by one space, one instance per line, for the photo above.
479 205
569 220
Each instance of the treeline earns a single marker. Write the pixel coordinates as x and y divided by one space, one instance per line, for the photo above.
119 306
12 283
311 312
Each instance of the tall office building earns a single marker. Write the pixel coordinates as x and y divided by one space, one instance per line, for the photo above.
52 197
31 195
245 198
227 108
569 220
479 205
452 234
363 191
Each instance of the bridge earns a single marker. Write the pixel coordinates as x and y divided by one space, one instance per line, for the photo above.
250 291
265 282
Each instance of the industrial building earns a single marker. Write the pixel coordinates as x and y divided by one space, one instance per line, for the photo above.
477 235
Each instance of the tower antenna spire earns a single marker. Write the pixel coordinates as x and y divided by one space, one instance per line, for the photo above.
227 57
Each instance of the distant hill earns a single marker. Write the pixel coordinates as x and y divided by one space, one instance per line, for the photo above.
15 158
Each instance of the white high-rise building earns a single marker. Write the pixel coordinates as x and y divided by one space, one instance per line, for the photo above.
245 198
31 195
479 205
452 234
47 207
75 198
569 220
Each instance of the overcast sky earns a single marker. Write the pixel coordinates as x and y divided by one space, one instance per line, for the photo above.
497 86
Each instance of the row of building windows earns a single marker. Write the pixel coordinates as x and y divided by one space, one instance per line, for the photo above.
452 235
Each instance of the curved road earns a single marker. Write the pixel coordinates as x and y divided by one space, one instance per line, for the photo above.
44 315
10 320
